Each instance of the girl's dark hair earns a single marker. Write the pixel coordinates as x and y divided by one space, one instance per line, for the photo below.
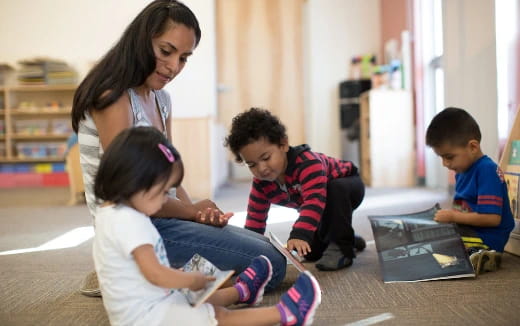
452 126
252 125
132 58
133 162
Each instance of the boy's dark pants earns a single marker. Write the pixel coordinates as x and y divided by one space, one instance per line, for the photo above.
343 196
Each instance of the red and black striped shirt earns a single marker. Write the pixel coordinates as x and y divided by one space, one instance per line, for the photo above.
305 189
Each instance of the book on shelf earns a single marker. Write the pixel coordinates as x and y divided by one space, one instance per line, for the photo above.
5 72
512 182
45 71
413 247
197 263
292 258
514 158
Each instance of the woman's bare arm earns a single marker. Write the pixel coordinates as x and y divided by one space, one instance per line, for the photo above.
112 120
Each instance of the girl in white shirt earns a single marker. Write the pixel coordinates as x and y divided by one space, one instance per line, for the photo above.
137 283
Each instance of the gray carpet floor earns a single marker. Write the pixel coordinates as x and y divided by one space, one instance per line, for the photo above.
39 287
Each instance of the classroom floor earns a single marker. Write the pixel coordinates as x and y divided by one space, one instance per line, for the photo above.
45 252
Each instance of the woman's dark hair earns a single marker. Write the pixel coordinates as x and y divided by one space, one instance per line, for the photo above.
252 125
135 161
131 60
452 126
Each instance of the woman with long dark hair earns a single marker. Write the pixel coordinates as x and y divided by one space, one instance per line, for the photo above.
125 89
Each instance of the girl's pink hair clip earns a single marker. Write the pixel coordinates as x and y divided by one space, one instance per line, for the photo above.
167 153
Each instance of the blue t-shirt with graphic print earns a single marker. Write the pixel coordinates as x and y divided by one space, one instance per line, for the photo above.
482 189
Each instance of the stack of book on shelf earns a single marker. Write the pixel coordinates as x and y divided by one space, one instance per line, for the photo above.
5 71
46 71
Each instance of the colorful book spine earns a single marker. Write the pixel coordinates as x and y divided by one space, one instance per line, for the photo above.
514 159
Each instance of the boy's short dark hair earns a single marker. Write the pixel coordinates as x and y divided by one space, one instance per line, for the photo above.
253 125
134 162
452 126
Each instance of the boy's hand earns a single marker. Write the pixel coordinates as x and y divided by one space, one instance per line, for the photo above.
213 217
199 281
301 246
444 216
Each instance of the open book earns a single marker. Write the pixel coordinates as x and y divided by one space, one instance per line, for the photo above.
198 263
281 248
414 247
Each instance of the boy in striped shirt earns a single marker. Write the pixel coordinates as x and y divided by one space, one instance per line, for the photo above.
481 204
323 189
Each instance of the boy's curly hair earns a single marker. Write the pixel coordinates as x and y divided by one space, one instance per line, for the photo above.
252 125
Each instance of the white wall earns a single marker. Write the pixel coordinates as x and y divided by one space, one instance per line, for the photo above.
81 32
194 91
78 32
334 32
470 64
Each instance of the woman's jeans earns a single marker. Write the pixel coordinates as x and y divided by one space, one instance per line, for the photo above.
228 248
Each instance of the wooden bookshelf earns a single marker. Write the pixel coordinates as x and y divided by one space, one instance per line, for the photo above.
513 245
45 110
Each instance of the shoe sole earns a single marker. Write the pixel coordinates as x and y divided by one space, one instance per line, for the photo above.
486 261
90 286
491 261
331 269
316 302
91 293
359 243
260 294
476 262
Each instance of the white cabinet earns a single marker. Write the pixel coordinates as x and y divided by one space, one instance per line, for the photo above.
387 138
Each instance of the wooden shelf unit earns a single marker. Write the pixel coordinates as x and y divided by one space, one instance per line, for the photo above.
513 245
46 104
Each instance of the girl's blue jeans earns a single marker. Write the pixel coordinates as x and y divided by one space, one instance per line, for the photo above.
228 248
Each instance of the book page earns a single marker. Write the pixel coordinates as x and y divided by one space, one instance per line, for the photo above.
281 248
413 247
198 263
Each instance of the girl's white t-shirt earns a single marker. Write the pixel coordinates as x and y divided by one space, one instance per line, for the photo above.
128 297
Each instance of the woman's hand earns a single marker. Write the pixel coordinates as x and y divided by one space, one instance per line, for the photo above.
203 204
213 217
199 280
209 213
301 246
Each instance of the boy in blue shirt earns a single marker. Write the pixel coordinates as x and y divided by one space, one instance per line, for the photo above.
481 204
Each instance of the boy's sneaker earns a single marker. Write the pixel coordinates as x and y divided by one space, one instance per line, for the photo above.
90 286
251 282
359 243
333 259
298 305
485 261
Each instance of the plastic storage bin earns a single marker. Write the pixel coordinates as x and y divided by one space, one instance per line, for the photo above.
56 150
31 150
61 126
41 150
